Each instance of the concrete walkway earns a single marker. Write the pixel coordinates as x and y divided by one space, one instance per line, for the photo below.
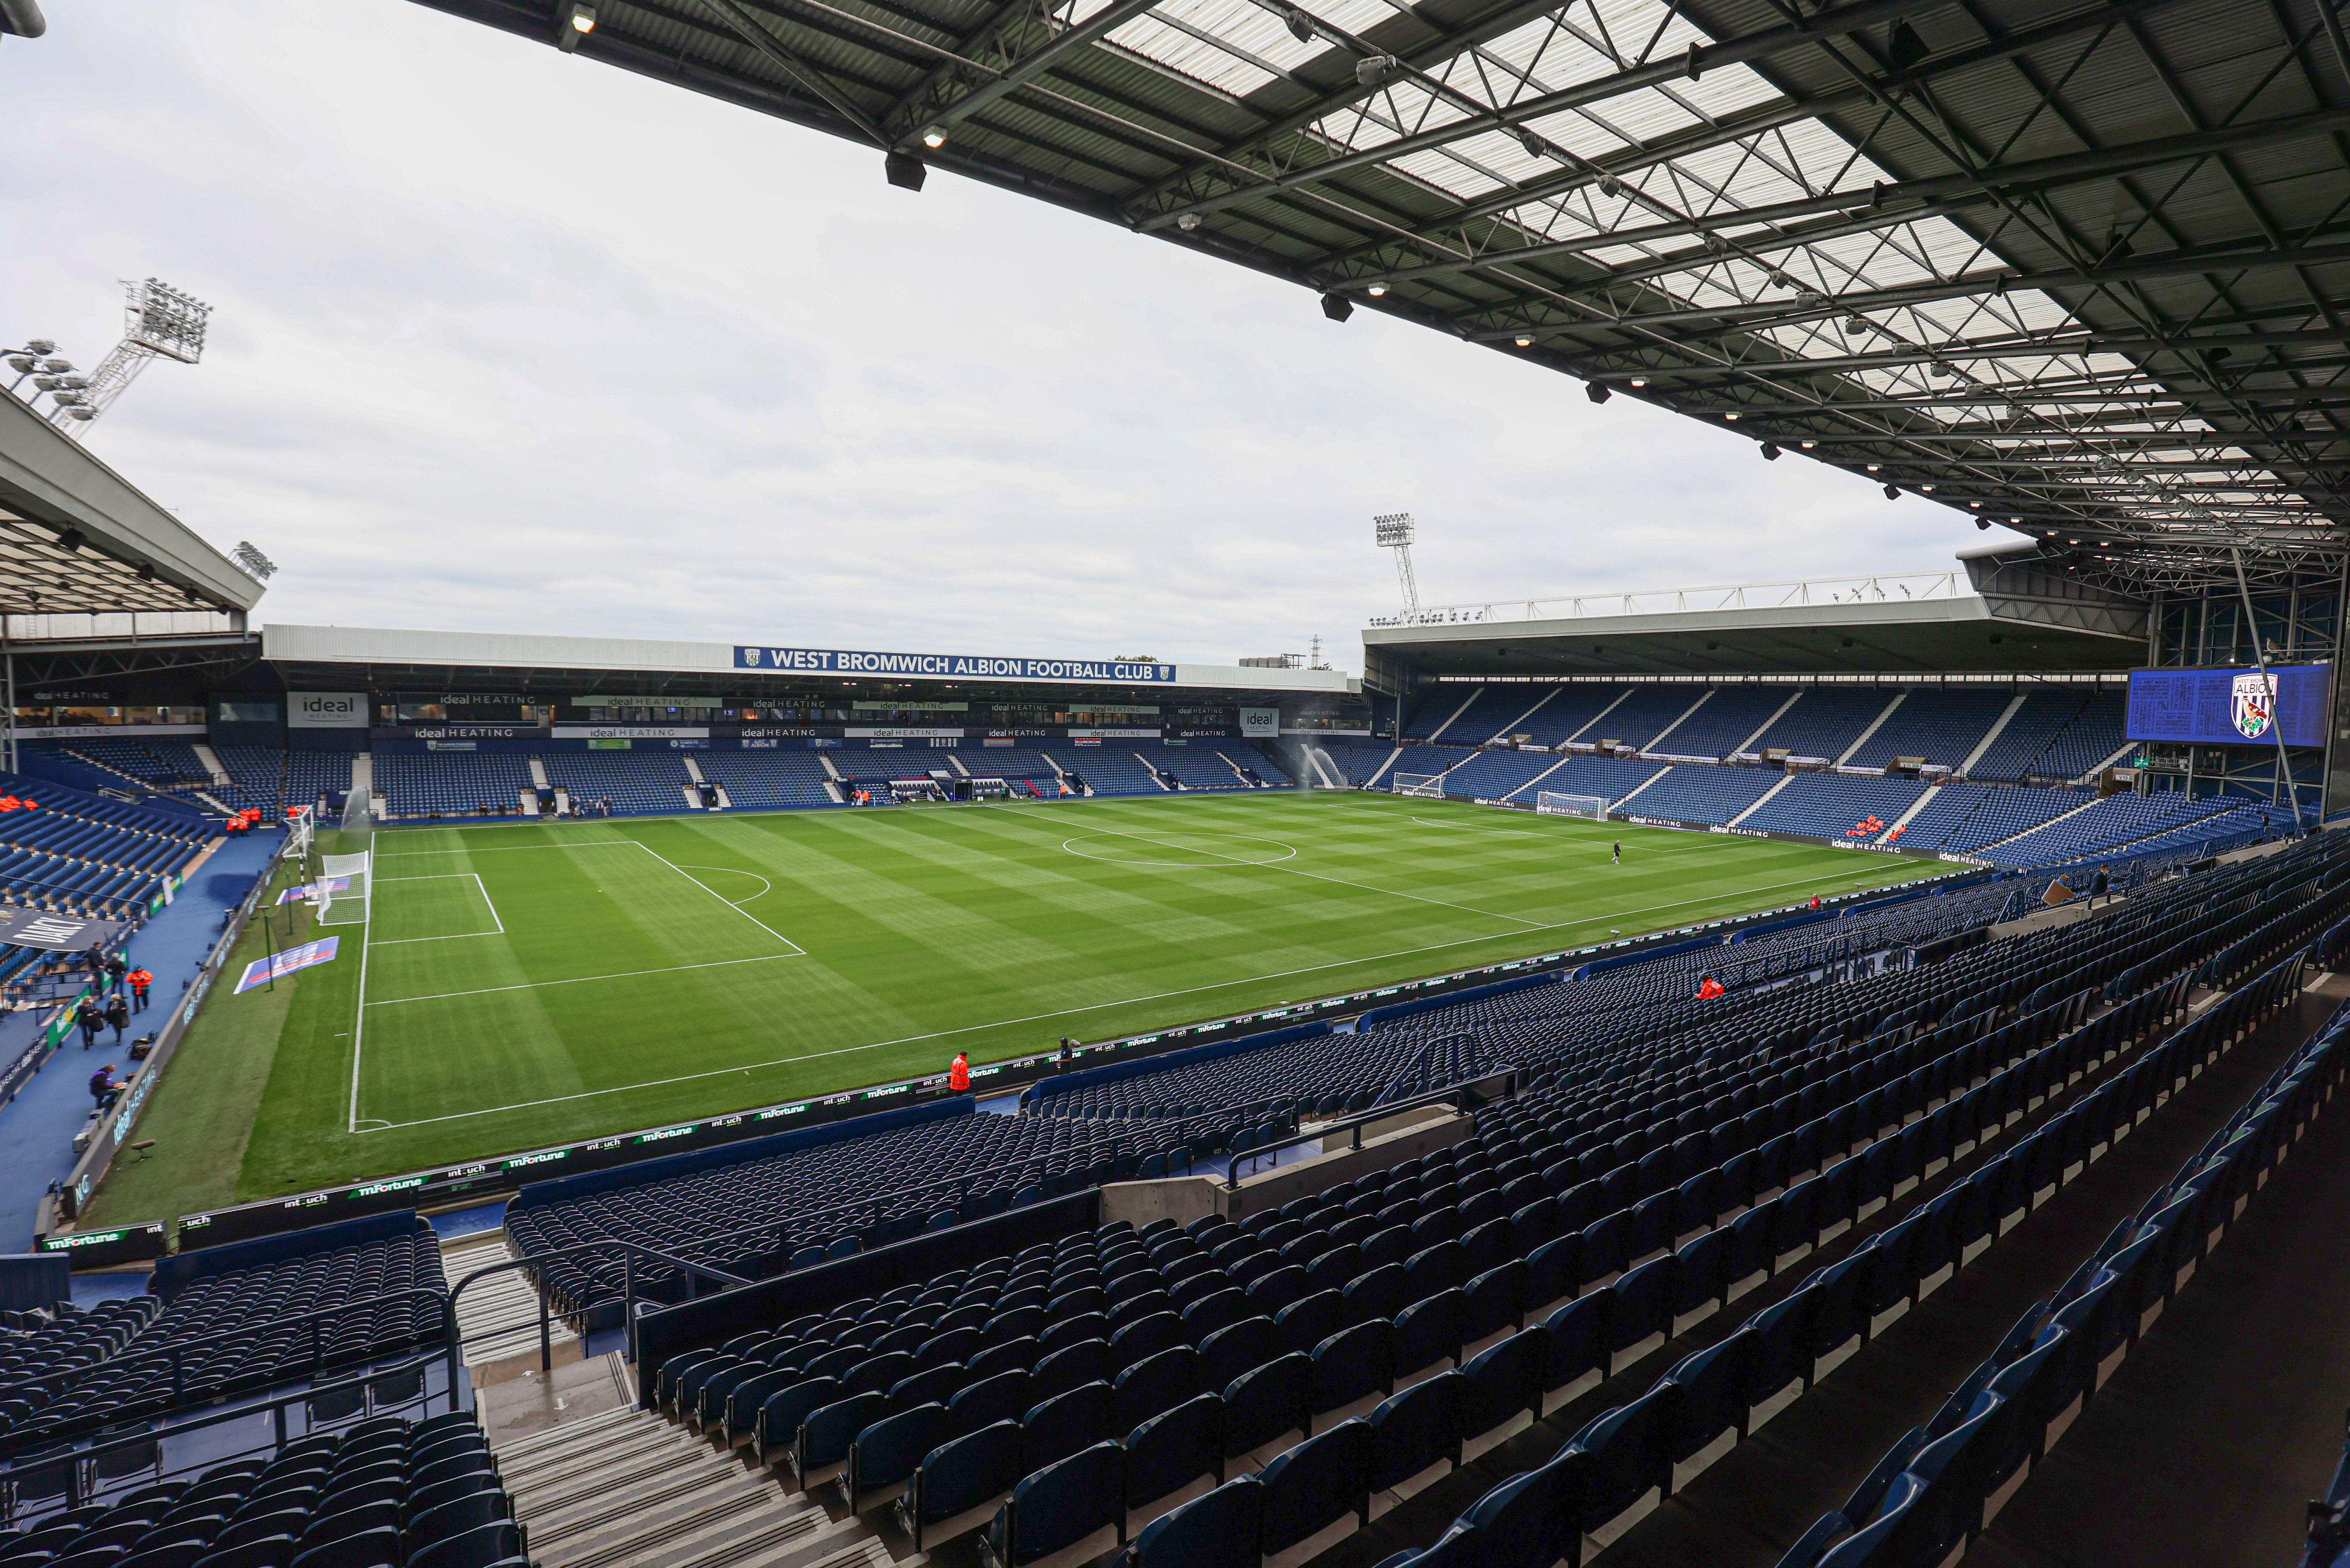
38 1128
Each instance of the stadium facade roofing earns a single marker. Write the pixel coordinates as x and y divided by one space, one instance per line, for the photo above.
2005 612
84 552
696 665
2074 267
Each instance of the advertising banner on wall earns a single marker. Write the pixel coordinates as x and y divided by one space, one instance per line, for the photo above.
946 666
1260 724
631 732
325 709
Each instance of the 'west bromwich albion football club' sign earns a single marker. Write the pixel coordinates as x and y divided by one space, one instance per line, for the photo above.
946 666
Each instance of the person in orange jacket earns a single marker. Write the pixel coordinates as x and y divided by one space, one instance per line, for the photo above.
1707 988
139 979
958 1074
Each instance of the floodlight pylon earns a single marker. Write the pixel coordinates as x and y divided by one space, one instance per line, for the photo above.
160 322
1395 531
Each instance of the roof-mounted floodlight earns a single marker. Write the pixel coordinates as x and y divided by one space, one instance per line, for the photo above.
579 21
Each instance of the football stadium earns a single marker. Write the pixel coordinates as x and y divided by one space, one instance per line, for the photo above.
1834 1073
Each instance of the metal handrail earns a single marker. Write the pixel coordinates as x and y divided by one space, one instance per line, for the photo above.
781 1227
275 1407
131 1356
629 1251
1450 1094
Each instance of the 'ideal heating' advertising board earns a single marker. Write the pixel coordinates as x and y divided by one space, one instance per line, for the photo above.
2230 707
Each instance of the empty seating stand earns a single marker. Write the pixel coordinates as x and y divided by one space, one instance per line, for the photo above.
1254 1392
634 781
384 1493
217 1334
90 854
451 784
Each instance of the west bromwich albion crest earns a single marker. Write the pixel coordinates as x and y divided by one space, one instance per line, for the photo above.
2252 709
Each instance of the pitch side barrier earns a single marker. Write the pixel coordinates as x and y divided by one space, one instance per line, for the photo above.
854 1113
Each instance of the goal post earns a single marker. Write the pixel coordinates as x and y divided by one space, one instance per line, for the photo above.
1426 787
1591 807
341 899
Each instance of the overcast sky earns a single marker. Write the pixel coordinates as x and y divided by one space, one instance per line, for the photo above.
506 340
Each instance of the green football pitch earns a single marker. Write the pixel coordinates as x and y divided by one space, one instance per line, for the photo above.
526 984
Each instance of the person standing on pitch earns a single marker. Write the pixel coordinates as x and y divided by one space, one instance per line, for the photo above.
1615 852
959 1075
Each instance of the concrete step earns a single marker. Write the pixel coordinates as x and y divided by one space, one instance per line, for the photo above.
594 1446
523 1451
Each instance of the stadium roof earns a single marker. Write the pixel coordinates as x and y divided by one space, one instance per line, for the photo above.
78 541
2006 613
2075 266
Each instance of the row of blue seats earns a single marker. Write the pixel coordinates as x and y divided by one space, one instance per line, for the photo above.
1942 1483
1623 1458
1483 1301
1350 1364
386 1493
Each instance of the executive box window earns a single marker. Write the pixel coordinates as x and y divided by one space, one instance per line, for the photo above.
37 714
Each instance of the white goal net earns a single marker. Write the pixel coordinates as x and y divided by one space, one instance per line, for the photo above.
341 890
1551 802
1426 787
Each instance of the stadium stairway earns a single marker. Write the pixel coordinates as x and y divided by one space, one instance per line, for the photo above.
497 1318
624 1488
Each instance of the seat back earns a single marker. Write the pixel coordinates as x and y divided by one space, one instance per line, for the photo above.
888 1452
1059 1505
826 1433
1221 1530
1155 1384
1237 1348
1175 1448
962 1473
1068 1424
1414 1430
1350 1364
1502 1380
1263 1404
1713 1386
1316 1484
1006 1396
